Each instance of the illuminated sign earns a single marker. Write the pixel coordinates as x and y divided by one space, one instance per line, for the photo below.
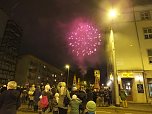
128 75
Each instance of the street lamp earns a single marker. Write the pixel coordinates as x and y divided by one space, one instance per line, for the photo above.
113 15
67 67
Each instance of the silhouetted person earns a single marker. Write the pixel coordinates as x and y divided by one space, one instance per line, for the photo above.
10 99
3 88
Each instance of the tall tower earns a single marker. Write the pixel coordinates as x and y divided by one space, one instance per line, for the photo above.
9 51
78 84
74 81
97 79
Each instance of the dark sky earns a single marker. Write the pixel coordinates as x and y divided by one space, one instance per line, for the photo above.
45 24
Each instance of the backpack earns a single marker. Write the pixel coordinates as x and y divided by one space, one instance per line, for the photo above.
66 100
44 102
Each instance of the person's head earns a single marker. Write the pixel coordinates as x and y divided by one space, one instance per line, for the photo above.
82 88
47 87
74 97
38 87
56 95
95 90
74 89
11 85
91 106
63 84
4 86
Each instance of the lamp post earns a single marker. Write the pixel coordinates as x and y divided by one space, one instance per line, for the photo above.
113 15
67 67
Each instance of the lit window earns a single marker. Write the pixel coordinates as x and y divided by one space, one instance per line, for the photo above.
149 51
145 15
148 33
150 89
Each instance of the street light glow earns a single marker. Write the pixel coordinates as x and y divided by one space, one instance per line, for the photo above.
112 13
67 66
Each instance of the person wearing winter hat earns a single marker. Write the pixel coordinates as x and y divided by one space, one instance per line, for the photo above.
74 105
90 107
74 91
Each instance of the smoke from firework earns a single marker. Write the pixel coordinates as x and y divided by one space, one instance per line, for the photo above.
84 40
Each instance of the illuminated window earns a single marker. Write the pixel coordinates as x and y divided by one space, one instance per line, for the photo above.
148 33
150 89
145 15
149 52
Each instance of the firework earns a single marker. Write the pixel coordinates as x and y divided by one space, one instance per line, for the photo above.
84 39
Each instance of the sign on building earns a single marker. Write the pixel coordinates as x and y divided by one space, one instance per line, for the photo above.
140 88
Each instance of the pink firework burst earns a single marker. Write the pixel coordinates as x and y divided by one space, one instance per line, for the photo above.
84 38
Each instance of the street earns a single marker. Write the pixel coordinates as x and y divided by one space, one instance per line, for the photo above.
103 111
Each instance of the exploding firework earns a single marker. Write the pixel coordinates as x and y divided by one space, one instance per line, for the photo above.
84 38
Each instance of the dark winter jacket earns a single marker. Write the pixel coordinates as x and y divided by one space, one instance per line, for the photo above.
37 94
9 101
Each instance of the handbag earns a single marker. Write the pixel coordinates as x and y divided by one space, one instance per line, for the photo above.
66 100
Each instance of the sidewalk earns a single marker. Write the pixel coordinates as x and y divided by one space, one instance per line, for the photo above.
143 107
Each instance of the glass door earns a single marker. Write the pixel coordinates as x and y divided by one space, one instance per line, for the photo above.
127 85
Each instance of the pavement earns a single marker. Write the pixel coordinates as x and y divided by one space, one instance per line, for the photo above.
142 107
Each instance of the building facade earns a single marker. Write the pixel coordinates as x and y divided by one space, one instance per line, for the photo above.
10 37
31 70
132 34
3 18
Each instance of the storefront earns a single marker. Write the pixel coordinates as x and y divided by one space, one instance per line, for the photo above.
134 84
148 80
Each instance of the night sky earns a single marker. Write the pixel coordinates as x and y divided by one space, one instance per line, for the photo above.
46 24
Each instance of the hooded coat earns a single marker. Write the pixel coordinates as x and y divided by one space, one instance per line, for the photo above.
9 101
63 91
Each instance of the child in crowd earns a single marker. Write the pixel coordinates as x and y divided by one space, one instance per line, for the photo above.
31 98
55 103
74 104
91 107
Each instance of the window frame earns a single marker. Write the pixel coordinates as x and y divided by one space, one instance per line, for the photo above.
149 56
147 32
150 89
145 15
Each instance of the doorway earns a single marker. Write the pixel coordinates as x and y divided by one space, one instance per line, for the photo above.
127 85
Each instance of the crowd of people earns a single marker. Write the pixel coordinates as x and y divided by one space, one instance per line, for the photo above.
59 99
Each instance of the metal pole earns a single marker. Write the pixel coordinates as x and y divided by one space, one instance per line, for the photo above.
116 89
67 77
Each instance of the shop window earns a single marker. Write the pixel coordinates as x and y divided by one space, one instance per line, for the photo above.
150 89
149 52
148 33
145 15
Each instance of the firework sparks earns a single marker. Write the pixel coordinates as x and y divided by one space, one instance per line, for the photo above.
84 39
